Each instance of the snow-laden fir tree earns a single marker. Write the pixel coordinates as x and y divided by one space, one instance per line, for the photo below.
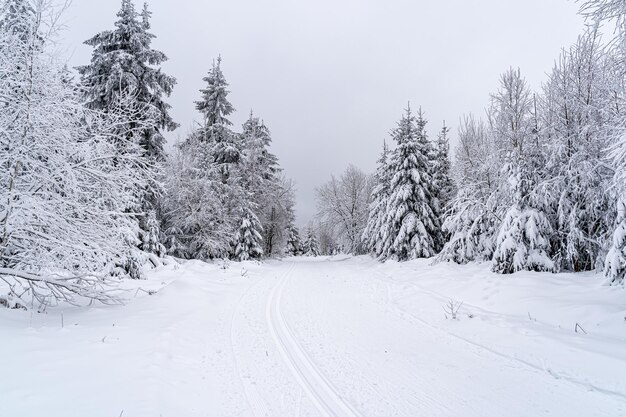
376 226
615 263
124 64
294 243
265 185
248 240
215 109
63 191
473 217
196 223
523 241
414 227
205 187
311 245
442 169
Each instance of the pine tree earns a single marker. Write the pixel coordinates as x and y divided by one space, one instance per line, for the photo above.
374 230
123 65
206 187
294 243
442 169
265 186
248 241
414 228
311 245
198 221
215 109
615 263
523 240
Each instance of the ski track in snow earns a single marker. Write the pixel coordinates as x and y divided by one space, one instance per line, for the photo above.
318 388
302 337
396 309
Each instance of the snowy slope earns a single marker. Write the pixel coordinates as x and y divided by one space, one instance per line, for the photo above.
324 337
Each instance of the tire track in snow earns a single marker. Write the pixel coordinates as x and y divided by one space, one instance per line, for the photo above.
316 386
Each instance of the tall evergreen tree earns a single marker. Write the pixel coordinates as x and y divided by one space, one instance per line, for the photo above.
523 240
311 244
215 109
472 221
294 243
414 227
124 69
265 186
123 63
248 240
206 187
442 169
376 224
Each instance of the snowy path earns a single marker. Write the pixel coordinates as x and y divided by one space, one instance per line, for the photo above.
318 389
339 337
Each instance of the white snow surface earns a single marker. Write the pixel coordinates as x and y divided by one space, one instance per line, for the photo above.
331 337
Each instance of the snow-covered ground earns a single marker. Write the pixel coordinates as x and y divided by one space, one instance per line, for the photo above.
324 337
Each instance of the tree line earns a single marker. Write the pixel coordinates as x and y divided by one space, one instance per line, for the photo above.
537 184
88 193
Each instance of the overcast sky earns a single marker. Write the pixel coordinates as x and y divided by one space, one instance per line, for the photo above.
331 77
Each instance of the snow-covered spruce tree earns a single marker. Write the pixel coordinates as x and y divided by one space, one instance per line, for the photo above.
374 231
248 240
523 239
615 263
311 245
265 185
123 64
414 227
63 197
204 184
294 243
197 224
215 109
442 169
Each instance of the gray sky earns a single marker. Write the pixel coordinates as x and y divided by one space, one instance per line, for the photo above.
331 77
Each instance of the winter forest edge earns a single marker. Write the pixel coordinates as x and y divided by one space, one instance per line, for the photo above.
89 195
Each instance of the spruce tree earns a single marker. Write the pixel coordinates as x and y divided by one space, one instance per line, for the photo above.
311 245
523 239
414 228
215 109
615 264
261 176
206 186
123 64
248 240
442 169
374 230
124 71
294 243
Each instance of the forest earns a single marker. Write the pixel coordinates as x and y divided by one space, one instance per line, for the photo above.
89 194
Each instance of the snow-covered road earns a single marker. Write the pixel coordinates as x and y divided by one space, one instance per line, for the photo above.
329 337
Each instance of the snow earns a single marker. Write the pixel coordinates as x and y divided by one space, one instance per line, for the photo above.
324 336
